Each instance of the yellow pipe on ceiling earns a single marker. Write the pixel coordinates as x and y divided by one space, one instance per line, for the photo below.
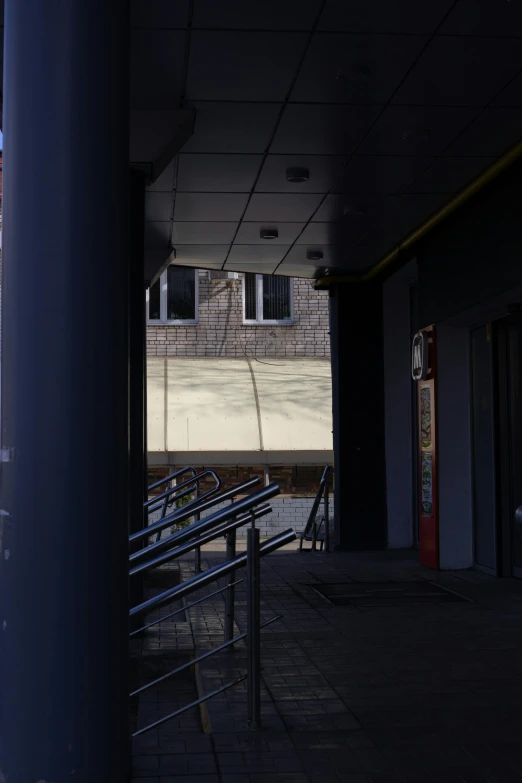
474 187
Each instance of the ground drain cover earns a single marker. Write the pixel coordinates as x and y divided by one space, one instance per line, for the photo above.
386 593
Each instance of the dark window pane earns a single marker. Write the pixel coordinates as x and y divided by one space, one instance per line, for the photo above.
250 297
154 302
276 298
181 294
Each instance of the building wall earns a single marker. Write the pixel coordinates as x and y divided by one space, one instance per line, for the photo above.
221 332
298 485
287 512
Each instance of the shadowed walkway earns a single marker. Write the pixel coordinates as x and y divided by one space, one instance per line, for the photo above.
403 685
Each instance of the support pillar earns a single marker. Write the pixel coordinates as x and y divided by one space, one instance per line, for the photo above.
64 489
137 367
358 416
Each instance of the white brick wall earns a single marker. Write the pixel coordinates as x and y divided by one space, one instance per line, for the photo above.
221 332
286 512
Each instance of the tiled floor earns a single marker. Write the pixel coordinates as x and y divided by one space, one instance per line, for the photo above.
393 693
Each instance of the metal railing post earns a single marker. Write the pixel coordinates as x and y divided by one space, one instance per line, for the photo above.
253 627
326 521
197 551
230 593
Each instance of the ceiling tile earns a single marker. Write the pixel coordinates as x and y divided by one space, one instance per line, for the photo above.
453 73
255 267
217 173
416 130
156 68
209 206
319 234
157 235
450 175
355 68
159 13
212 233
297 207
248 233
484 17
202 256
247 254
296 270
383 16
323 129
352 209
298 256
232 127
158 206
493 132
241 66
381 173
323 169
360 259
398 216
512 95
251 14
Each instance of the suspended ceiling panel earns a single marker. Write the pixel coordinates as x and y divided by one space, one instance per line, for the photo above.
393 108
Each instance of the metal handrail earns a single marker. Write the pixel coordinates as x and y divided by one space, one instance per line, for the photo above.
172 476
252 558
196 528
209 576
189 509
202 657
184 608
172 554
195 703
311 529
167 502
188 483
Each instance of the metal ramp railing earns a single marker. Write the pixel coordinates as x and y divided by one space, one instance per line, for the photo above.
314 531
223 522
176 492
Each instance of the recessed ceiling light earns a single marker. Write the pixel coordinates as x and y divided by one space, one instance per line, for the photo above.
297 175
314 255
416 133
269 233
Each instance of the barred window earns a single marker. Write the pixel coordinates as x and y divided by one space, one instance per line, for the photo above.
173 298
267 299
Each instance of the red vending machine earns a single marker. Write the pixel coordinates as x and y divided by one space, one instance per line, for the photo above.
424 372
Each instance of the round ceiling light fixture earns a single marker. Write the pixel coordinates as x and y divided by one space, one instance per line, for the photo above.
314 255
269 233
297 174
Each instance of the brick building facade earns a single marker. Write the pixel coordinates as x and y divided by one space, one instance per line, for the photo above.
220 330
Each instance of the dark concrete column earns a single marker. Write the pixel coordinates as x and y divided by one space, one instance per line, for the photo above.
358 416
64 488
137 366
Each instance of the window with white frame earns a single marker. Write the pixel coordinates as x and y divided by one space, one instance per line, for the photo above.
173 299
267 299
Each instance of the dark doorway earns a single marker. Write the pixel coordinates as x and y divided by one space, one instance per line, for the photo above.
483 456
415 325
509 425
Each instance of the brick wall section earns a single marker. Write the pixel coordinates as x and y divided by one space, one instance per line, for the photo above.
293 480
221 332
286 512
